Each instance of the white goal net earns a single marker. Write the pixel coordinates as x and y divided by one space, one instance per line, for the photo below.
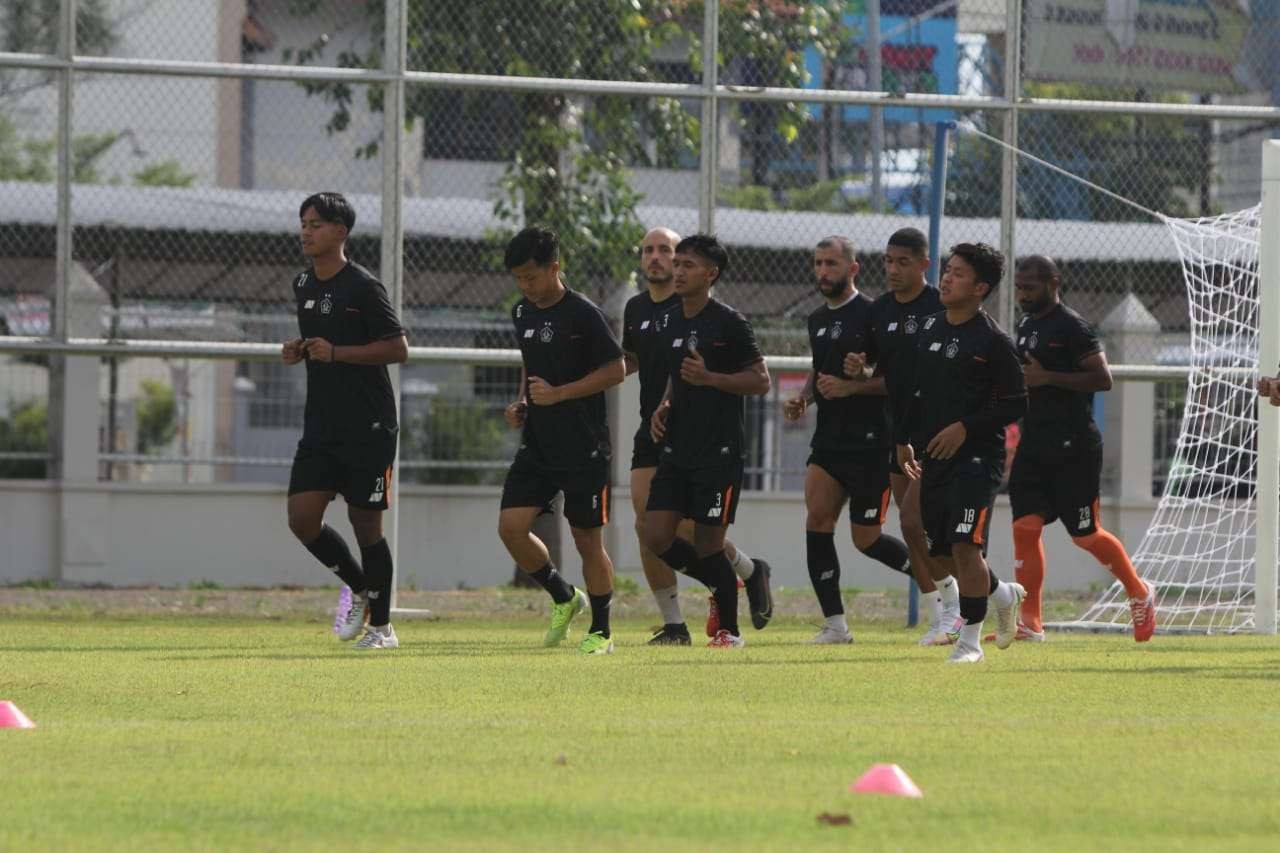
1199 551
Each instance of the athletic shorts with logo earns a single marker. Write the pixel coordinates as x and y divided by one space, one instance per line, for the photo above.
864 476
1056 488
361 473
586 491
644 453
706 495
956 504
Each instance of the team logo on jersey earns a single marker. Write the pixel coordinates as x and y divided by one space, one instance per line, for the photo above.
326 305
911 326
952 349
692 342
836 330
1033 341
546 333
928 324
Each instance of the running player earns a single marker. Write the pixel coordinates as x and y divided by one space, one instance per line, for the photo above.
896 318
349 334
640 321
570 358
967 387
1058 466
852 440
712 363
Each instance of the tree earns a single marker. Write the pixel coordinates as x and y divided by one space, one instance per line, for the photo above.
1152 160
567 157
455 431
26 430
31 26
157 416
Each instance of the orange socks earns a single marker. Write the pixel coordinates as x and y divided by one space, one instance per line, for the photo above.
1106 549
1028 566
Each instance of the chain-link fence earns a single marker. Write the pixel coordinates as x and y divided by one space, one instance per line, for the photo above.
195 130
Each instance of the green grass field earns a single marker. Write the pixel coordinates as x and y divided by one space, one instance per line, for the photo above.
159 732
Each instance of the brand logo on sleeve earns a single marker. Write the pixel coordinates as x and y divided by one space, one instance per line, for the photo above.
644 325
821 332
310 303
528 333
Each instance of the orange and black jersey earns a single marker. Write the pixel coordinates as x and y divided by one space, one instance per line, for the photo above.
640 320
346 403
1058 421
861 421
969 373
706 426
894 326
560 344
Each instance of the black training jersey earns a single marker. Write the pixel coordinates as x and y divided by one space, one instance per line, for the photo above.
562 344
1058 421
894 328
860 421
639 337
706 426
968 373
346 403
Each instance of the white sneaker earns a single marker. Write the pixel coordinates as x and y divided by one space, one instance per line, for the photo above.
379 638
1007 618
951 623
828 636
353 622
965 653
931 637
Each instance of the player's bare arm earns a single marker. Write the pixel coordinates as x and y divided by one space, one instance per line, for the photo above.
515 412
632 362
543 393
658 420
1094 375
751 381
390 351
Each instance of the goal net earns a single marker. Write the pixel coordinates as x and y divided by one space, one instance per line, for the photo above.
1199 551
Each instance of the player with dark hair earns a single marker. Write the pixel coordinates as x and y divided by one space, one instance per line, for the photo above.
852 440
349 334
712 363
1058 466
896 319
640 322
967 386
570 358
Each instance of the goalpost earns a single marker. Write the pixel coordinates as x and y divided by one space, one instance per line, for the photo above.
1211 549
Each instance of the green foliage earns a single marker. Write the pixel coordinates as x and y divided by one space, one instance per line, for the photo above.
166 173
31 26
748 197
455 431
157 416
26 430
33 159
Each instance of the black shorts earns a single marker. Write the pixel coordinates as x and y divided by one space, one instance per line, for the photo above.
917 443
864 476
956 504
644 453
1056 488
361 473
706 495
586 491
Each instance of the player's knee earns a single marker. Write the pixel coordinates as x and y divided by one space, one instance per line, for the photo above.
1086 542
820 522
864 537
656 538
1027 529
510 530
305 526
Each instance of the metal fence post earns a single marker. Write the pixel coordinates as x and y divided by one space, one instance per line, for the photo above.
709 153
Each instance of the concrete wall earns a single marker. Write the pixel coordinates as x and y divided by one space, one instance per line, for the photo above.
235 535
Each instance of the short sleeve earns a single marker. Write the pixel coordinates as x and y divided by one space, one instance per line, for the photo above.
1006 369
602 344
742 342
380 318
628 320
1082 341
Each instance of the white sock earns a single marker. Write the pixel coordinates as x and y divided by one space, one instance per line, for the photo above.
742 565
971 635
950 591
1003 596
837 623
669 605
932 603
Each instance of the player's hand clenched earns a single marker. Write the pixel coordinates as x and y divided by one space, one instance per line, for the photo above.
515 413
318 349
794 408
907 461
694 370
855 366
292 351
543 393
1034 373
1269 387
945 444
658 422
833 387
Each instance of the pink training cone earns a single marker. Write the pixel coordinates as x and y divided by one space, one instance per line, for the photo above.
12 718
886 779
